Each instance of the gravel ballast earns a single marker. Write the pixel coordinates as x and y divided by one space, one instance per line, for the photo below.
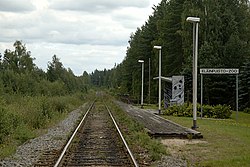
28 153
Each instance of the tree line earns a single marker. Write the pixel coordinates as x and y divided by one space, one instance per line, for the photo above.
20 75
224 35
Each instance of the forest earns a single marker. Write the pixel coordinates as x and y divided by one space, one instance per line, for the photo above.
224 34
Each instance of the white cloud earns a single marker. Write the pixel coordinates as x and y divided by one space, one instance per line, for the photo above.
96 6
85 34
16 6
132 20
78 57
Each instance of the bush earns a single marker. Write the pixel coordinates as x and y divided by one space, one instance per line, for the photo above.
246 110
36 112
42 109
59 104
184 110
8 122
222 111
23 133
20 116
218 111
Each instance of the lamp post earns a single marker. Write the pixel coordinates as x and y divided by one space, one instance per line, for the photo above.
195 21
142 76
149 78
159 48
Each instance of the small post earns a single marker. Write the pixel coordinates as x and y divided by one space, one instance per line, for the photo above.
201 96
237 97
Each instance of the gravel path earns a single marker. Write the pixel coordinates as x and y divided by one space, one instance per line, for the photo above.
172 162
29 153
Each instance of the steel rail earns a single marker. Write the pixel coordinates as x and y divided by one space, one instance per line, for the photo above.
72 137
124 141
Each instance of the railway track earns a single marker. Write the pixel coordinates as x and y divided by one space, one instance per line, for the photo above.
97 141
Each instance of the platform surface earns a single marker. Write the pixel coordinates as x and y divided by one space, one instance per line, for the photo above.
156 125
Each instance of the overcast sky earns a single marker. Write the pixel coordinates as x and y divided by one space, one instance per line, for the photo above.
85 34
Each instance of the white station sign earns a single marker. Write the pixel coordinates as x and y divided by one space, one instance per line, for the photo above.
219 71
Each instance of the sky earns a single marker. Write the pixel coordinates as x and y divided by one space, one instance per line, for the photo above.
84 34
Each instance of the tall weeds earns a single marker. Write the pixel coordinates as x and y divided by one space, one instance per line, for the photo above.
20 117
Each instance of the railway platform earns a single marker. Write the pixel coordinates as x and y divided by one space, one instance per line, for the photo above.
156 125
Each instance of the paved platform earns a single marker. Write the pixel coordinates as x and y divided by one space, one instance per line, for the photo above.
156 125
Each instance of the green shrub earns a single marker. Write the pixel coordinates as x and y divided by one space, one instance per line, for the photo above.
45 108
42 109
246 110
23 133
58 104
222 111
21 115
207 111
8 122
181 110
185 110
80 96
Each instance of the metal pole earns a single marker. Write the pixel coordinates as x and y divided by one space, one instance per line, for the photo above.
201 95
195 62
149 78
195 21
159 81
237 96
142 76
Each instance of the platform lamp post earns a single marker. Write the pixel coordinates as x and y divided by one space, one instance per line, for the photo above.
195 21
142 77
159 48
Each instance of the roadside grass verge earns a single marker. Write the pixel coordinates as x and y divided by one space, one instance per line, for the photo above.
227 141
24 117
146 149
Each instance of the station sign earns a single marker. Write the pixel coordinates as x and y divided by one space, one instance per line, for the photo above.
219 71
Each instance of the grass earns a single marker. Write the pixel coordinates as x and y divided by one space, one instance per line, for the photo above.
227 142
23 118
